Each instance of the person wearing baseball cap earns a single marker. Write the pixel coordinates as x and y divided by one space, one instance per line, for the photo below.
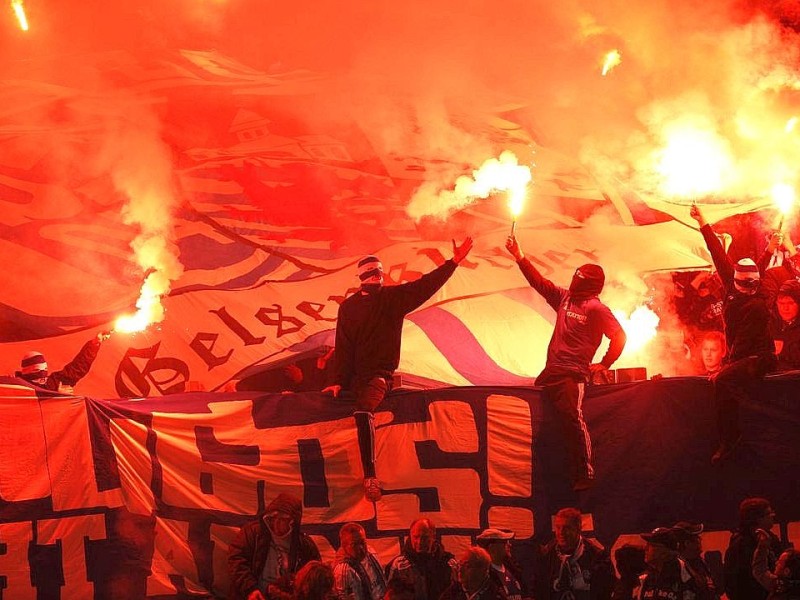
369 326
666 575
750 349
690 549
504 570
34 368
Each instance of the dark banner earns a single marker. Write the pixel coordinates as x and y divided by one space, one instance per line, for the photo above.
140 498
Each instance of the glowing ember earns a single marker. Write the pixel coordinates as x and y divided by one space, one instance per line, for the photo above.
694 162
783 196
640 327
149 305
19 11
790 124
611 60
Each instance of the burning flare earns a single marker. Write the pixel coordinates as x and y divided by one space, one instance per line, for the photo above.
783 196
790 125
694 162
612 59
640 328
19 11
502 174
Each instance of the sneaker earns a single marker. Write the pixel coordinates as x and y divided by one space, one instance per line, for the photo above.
724 452
372 489
583 484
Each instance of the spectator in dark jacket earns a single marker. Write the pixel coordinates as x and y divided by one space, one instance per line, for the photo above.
573 566
474 582
754 514
667 575
786 326
505 570
367 348
690 549
424 564
630 565
751 352
783 583
267 553
34 367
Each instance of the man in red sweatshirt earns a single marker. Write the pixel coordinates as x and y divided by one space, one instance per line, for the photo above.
581 322
367 348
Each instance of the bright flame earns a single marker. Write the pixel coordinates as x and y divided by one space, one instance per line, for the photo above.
783 196
19 10
149 305
503 174
694 162
640 328
790 124
612 59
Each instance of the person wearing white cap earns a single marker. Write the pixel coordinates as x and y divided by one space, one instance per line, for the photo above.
367 347
505 571
750 349
34 369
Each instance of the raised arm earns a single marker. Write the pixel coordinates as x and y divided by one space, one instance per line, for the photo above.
411 296
721 261
548 290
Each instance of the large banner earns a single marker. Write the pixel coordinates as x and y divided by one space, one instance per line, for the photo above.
263 208
140 498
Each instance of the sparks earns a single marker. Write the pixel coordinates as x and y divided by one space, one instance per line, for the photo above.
19 11
790 125
612 59
640 327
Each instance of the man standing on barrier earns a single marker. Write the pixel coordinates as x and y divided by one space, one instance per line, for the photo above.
581 322
367 348
750 353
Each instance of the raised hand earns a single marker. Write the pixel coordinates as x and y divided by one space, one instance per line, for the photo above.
512 245
696 214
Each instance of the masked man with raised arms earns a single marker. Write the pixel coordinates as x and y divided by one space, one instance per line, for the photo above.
581 322
367 349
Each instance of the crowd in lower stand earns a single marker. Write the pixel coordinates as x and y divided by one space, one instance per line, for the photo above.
272 558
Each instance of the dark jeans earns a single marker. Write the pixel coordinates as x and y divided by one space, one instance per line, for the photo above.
565 391
731 386
369 394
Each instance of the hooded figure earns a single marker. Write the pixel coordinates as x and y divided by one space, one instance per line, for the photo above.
582 320
786 326
587 281
267 553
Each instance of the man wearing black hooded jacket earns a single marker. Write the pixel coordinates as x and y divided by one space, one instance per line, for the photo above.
267 553
424 564
581 322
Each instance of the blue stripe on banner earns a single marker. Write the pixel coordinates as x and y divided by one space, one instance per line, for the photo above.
462 350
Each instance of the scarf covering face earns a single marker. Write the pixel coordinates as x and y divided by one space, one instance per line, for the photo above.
587 281
746 276
370 271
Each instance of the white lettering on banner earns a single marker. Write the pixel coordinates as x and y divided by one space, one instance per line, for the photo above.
172 556
452 429
129 440
509 446
73 533
14 541
23 478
